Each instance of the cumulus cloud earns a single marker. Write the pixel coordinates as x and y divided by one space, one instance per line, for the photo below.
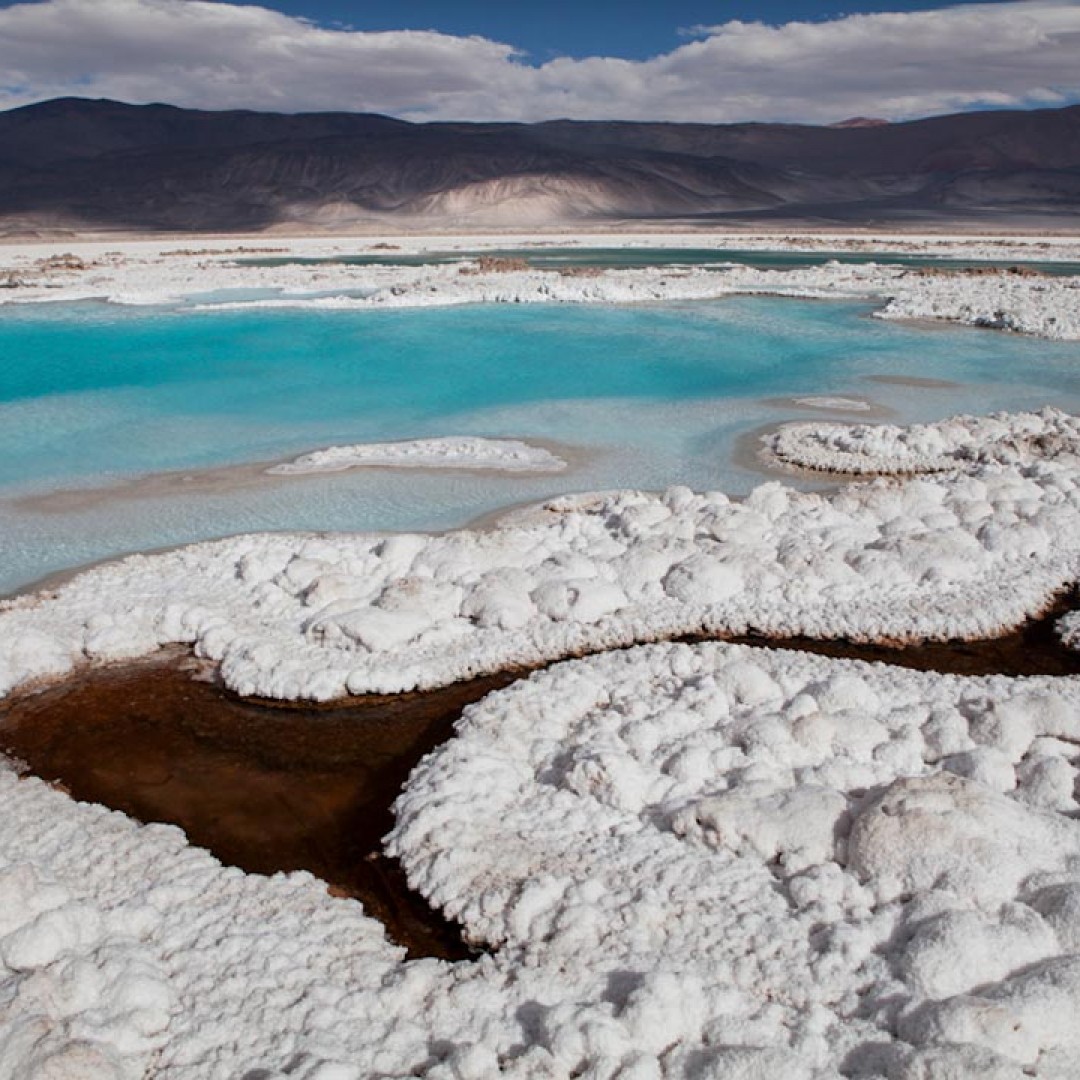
203 54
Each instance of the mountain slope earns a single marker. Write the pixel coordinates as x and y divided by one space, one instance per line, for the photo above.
106 164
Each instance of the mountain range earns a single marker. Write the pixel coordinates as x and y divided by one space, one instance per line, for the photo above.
81 163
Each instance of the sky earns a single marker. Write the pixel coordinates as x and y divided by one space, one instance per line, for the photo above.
693 60
576 28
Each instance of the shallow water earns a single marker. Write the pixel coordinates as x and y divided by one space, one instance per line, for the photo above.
275 787
266 787
557 258
652 395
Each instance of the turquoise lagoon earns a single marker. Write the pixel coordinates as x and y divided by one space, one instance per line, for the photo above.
94 394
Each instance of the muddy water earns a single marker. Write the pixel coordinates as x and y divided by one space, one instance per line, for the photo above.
1032 649
265 787
270 787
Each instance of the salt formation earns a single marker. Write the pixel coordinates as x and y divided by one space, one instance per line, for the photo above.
138 274
1069 629
963 554
837 404
312 617
775 863
889 449
447 452
693 861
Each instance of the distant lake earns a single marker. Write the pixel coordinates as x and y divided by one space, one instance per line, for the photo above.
565 258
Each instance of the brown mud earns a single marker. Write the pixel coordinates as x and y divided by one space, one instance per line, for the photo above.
265 787
270 786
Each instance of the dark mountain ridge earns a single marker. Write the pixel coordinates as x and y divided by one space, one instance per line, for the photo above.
105 164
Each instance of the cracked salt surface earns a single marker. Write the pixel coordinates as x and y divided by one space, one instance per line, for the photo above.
699 860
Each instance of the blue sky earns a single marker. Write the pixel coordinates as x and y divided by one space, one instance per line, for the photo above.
787 60
565 28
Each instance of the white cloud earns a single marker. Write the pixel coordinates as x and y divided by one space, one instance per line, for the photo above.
212 55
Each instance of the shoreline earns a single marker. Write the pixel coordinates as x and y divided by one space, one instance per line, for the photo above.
572 812
388 232
151 273
216 479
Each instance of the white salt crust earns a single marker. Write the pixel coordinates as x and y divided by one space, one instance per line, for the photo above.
892 450
960 554
145 274
697 861
792 863
834 404
445 452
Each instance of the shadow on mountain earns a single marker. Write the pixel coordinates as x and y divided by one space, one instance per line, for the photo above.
105 164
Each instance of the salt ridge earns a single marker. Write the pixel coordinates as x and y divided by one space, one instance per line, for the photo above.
891 450
697 860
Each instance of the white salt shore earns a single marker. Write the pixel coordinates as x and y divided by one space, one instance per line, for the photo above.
889 449
966 553
153 273
446 452
696 861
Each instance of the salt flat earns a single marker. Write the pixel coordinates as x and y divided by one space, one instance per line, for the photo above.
152 272
691 860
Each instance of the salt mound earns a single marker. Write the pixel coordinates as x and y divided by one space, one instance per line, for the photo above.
785 832
960 442
449 452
